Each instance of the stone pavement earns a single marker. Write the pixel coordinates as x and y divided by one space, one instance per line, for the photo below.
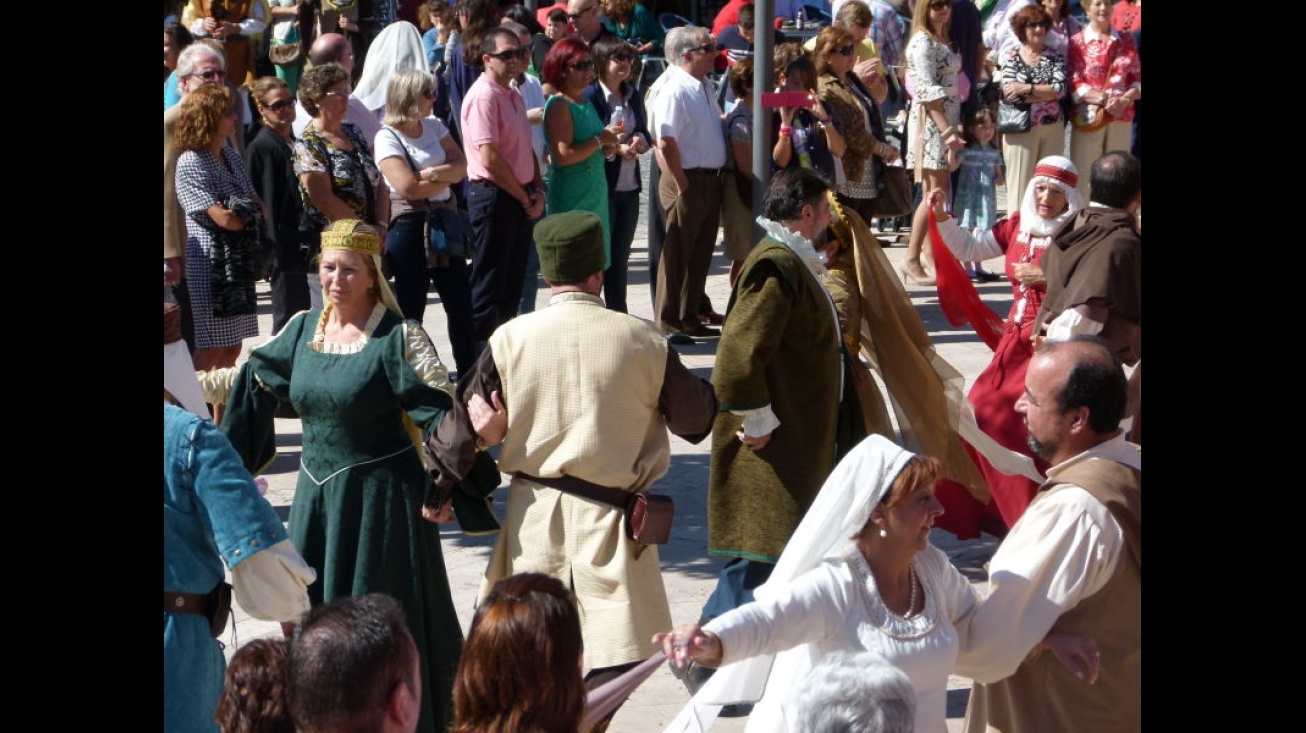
689 572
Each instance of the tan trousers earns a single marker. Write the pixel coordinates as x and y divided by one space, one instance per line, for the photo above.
1021 151
1087 147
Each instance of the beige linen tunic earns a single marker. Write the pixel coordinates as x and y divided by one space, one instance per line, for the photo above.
582 386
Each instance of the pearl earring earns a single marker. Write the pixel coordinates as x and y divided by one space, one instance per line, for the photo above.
883 533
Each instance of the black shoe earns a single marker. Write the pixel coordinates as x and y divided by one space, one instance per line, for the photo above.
736 710
989 277
680 338
704 331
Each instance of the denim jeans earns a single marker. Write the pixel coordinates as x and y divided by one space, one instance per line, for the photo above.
406 252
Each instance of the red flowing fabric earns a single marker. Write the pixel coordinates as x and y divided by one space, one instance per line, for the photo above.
957 295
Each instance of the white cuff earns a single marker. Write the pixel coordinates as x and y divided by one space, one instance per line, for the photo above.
1072 323
272 585
759 421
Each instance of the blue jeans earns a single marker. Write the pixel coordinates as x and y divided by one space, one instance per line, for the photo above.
406 254
623 216
735 586
501 245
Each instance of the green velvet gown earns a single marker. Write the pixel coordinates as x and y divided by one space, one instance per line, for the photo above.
356 516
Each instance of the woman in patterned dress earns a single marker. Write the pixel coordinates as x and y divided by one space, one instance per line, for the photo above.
934 123
210 174
338 179
1105 71
1035 74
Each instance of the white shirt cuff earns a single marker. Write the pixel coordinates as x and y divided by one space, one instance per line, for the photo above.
272 585
759 421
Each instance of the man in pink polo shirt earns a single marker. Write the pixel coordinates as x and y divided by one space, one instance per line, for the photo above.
506 192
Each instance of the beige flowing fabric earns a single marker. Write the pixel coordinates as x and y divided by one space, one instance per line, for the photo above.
924 390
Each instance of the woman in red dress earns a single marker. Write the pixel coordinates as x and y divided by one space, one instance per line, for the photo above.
1051 198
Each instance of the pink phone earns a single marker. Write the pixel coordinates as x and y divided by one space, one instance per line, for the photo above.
787 99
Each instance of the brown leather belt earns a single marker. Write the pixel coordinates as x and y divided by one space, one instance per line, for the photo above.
186 603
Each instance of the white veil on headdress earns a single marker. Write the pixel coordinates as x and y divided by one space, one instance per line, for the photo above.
397 47
1057 171
840 510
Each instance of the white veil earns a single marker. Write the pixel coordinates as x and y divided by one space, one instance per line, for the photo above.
840 510
397 47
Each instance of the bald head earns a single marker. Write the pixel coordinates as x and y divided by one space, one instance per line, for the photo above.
1091 376
332 48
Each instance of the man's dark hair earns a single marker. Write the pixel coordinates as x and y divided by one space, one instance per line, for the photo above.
1116 179
490 42
747 16
790 190
1097 381
346 661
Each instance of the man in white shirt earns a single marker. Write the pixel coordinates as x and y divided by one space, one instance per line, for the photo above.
335 48
1073 563
686 120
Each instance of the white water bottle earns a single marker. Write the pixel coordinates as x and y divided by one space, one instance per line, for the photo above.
800 19
618 118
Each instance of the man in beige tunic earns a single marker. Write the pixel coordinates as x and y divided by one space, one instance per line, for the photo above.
1073 563
586 393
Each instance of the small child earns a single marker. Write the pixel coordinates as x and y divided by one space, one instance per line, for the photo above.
976 200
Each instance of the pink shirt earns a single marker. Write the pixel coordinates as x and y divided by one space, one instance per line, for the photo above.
496 114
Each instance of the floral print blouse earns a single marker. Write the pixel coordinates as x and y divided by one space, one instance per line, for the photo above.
1104 63
354 175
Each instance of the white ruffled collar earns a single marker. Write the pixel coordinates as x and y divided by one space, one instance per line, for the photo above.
798 244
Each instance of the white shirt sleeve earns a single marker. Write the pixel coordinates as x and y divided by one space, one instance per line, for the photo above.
1072 323
978 244
272 585
1061 551
808 612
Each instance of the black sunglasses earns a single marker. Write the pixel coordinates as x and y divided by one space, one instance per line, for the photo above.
844 50
278 105
509 55
940 4
582 65
1037 24
211 74
574 16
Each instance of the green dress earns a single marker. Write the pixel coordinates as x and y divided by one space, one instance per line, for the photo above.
356 516
581 186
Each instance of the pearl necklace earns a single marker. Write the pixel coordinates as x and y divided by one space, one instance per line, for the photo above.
911 599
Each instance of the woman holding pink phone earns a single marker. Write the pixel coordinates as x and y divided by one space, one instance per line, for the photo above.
806 134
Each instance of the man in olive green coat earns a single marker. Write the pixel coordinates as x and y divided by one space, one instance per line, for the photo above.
777 379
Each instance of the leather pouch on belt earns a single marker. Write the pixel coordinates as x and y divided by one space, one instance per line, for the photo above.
649 517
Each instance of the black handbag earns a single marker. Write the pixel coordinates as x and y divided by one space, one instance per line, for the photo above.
895 192
1013 116
448 232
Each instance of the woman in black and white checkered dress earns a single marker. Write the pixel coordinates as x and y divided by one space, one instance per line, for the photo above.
209 173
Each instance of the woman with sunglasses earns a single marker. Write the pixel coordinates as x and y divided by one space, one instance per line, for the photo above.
578 140
1033 74
421 162
271 161
934 122
843 93
614 60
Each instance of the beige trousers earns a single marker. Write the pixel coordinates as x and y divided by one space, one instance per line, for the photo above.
1087 147
1021 151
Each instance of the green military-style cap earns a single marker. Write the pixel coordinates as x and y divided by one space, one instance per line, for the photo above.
570 246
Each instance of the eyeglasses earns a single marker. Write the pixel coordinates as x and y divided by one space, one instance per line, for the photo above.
582 65
574 16
940 4
278 105
510 54
1037 24
705 48
844 50
211 74
342 95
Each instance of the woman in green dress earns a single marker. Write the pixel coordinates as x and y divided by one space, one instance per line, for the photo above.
578 141
367 385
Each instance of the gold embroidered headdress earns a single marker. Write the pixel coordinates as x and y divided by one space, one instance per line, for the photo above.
356 236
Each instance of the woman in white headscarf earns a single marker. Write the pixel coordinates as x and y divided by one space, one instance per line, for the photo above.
397 47
1051 199
859 573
